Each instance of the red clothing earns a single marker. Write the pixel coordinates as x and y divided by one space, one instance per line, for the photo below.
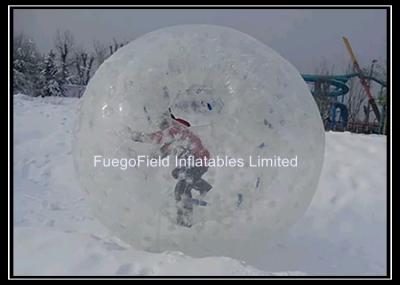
176 133
183 122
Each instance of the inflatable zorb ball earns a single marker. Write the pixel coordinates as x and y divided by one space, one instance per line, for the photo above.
242 100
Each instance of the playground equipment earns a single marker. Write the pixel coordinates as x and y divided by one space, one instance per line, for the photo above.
331 89
334 88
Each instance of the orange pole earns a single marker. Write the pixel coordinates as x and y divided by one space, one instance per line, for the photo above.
363 81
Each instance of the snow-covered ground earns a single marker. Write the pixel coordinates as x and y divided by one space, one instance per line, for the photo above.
343 231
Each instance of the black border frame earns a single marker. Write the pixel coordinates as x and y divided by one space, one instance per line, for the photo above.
382 6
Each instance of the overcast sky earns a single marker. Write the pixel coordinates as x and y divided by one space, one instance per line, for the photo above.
305 37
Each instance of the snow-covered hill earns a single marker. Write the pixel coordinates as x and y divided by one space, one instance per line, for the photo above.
343 232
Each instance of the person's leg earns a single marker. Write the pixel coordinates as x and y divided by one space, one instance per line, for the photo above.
177 171
187 207
180 189
183 197
202 186
197 172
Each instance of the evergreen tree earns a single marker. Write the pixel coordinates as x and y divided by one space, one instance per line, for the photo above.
25 65
49 81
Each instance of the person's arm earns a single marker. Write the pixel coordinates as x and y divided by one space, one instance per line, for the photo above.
144 138
137 136
165 150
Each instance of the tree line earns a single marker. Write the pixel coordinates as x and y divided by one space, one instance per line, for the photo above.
66 65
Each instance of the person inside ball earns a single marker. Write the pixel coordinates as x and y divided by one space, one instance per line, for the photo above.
175 138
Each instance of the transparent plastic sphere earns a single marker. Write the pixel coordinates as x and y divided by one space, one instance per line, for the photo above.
242 100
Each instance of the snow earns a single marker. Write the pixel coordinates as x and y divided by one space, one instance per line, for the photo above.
343 232
66 253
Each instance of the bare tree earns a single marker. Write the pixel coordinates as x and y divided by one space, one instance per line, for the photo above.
100 51
356 97
64 43
381 74
115 46
325 68
83 64
322 89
